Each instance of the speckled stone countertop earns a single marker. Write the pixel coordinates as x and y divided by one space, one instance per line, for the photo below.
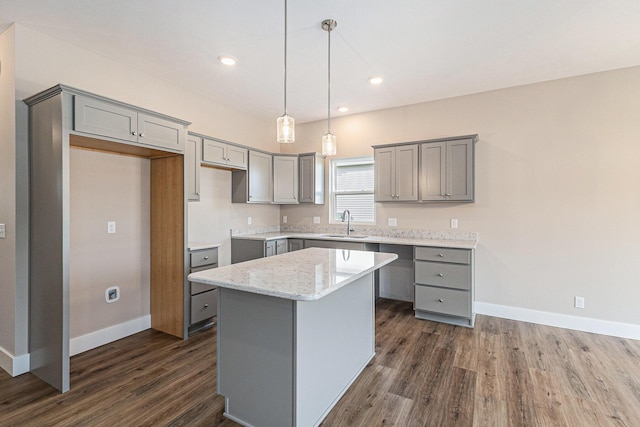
408 241
304 275
196 246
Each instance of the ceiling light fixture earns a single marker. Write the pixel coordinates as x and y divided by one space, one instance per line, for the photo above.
343 109
286 130
375 80
227 60
329 139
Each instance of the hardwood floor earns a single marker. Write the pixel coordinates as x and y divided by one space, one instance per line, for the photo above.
502 373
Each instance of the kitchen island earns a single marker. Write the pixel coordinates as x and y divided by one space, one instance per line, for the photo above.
294 331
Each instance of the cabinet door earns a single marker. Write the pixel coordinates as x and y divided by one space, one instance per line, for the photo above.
385 173
281 246
307 184
270 248
214 152
159 132
406 173
104 119
260 178
285 179
459 183
237 156
432 171
192 168
295 244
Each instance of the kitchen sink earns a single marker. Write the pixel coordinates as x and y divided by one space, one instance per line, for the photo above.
344 236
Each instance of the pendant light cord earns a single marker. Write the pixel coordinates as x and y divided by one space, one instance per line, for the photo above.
285 57
329 81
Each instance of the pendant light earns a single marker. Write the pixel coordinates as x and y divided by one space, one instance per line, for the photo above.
286 129
329 139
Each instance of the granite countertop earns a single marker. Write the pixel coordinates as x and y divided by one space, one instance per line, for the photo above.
304 275
408 241
196 246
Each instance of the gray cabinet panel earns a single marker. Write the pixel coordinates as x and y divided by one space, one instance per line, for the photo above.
311 178
444 301
219 153
281 246
460 170
160 132
204 306
260 178
447 170
456 276
270 248
105 119
396 173
192 168
385 171
295 244
237 157
285 179
458 256
433 161
204 257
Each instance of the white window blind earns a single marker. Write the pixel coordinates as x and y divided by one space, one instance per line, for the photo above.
352 189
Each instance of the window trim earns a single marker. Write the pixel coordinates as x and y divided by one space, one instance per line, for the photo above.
347 161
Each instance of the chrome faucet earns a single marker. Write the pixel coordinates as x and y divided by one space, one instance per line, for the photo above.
346 214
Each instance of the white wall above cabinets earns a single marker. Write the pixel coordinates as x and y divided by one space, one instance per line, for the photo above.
438 170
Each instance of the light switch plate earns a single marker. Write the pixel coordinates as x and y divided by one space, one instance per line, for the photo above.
284 219
3 231
392 222
454 223
316 220
111 227
579 302
249 220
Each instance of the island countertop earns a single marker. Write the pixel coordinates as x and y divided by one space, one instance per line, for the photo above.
304 275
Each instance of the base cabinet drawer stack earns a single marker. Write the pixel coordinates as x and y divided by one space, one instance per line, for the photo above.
204 298
444 285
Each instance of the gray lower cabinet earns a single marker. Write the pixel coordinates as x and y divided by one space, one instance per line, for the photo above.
255 185
311 178
447 170
192 159
444 285
295 244
224 154
248 249
204 298
107 118
285 179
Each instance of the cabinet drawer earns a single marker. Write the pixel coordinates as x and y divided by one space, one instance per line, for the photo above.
445 301
458 256
204 306
456 276
204 257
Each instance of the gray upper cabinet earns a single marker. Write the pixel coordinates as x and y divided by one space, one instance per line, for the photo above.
219 153
285 179
255 185
396 173
447 170
192 167
113 120
311 178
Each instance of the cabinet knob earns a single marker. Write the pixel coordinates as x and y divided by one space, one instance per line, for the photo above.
448 195
440 300
206 258
441 255
141 135
134 133
207 305
198 193
294 197
440 275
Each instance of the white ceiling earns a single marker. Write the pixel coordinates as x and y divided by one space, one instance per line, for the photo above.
424 49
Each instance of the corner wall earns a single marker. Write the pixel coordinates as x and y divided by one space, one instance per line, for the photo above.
557 200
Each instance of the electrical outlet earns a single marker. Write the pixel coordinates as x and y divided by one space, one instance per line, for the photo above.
392 222
3 231
454 223
248 220
284 219
316 220
111 227
579 302
112 294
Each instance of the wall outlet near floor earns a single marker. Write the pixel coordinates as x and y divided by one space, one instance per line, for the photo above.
284 219
316 220
454 223
112 294
579 302
248 220
111 227
3 231
392 222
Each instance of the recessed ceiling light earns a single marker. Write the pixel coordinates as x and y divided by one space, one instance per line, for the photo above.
227 60
375 80
343 109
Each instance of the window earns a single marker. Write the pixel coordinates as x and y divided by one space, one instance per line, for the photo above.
351 183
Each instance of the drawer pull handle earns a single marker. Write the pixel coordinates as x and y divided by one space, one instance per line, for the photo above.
206 305
440 300
440 275
206 258
441 255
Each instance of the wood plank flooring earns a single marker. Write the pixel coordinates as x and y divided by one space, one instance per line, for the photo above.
502 373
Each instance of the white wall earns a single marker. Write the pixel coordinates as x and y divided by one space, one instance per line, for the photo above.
557 199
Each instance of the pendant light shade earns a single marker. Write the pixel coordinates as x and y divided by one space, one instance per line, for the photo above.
286 127
329 140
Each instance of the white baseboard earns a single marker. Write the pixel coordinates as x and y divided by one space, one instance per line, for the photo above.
104 336
578 323
14 365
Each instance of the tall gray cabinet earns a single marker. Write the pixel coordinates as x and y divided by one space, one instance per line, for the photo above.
311 178
62 117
